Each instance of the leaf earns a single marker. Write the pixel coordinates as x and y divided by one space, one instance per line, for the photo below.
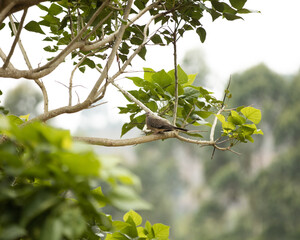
236 118
221 118
2 25
55 9
182 76
238 4
33 26
217 5
126 128
135 217
142 53
162 78
231 17
25 117
228 126
156 39
201 33
161 231
252 114
148 72
191 79
85 164
258 131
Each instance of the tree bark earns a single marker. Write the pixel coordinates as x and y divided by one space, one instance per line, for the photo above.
8 7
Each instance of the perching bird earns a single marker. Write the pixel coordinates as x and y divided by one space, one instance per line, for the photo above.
160 125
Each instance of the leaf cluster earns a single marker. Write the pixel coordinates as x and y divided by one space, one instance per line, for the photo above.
157 91
241 124
130 229
51 190
65 19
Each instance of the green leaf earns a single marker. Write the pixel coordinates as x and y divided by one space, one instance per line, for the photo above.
217 5
126 128
238 4
162 78
201 33
2 25
182 76
161 231
85 164
156 39
191 79
142 53
33 26
258 131
55 9
221 118
88 62
228 126
135 217
49 49
231 17
252 114
42 7
236 118
148 73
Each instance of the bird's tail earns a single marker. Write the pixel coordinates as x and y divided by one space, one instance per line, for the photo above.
182 129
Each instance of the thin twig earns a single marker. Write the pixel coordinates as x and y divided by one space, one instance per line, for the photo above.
97 26
72 45
3 57
215 121
185 120
5 11
15 40
176 76
27 61
72 75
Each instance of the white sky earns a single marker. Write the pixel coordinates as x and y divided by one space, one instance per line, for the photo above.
272 37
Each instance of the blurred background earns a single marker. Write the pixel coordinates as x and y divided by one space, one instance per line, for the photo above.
255 195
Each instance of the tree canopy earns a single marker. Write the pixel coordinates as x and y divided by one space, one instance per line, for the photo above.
47 181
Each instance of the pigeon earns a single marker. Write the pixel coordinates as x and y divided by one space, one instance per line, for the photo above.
160 125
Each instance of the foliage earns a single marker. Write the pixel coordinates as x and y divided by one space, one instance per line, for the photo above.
195 105
131 229
50 190
156 91
64 19
237 128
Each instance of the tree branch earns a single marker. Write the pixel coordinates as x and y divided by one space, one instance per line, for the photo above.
15 40
93 93
176 76
8 7
37 81
3 57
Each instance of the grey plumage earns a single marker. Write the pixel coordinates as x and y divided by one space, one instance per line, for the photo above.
160 125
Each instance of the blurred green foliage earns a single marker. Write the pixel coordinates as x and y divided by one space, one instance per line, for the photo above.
252 196
49 189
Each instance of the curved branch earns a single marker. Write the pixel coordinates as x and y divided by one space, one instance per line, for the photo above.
17 35
8 7
144 139
124 142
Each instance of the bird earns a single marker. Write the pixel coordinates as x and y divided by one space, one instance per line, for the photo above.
160 125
